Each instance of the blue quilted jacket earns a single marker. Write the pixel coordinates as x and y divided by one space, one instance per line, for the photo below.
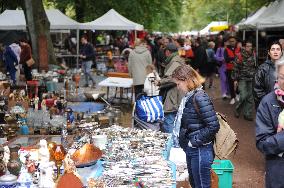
201 127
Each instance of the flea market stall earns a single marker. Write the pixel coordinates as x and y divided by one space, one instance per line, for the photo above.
111 20
59 22
55 133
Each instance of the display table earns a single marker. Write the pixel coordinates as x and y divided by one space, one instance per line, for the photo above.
121 83
152 163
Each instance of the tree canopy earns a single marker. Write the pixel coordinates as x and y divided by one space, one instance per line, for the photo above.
198 13
156 15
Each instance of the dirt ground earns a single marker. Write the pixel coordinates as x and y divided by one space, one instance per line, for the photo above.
248 161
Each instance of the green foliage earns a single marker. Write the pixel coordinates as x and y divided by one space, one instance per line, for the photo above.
199 13
155 15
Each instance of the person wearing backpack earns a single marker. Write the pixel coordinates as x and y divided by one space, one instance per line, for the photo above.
270 133
195 130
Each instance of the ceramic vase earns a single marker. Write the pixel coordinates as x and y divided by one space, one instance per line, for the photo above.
2 163
14 165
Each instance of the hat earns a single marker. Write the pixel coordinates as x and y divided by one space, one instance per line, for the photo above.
171 47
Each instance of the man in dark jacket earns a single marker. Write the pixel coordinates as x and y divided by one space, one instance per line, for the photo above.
87 54
199 62
243 74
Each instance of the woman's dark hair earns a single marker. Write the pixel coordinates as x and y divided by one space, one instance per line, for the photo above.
272 43
276 42
24 40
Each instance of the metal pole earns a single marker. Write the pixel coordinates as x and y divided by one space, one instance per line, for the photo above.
135 36
244 35
246 9
77 50
256 44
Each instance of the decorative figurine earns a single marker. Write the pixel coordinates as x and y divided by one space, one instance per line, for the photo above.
43 104
22 95
69 166
70 115
30 164
14 165
36 101
46 175
43 152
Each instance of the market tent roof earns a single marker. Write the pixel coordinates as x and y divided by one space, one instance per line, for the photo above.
15 20
208 28
112 20
274 18
265 17
247 23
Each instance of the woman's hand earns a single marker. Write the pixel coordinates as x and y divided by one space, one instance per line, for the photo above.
280 128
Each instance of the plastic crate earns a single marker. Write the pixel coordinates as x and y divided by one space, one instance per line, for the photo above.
224 169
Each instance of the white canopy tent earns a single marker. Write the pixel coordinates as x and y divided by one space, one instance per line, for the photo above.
112 20
274 18
248 23
206 30
15 20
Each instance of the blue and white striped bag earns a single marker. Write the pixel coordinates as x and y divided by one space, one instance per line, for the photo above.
150 108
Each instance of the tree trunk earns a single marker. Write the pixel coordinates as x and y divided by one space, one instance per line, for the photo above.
39 30
80 10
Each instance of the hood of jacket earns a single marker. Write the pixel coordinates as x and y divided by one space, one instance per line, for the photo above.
140 49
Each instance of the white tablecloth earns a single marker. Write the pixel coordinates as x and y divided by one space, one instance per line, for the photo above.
117 82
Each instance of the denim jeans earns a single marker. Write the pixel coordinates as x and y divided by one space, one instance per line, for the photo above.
168 124
199 161
87 68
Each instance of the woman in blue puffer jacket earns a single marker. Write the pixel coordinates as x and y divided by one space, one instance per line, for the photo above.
196 125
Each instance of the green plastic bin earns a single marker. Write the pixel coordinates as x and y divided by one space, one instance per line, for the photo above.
224 169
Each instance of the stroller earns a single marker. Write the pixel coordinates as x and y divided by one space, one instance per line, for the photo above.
146 107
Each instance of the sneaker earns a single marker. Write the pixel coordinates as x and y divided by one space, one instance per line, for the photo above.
238 98
232 101
237 114
248 118
224 96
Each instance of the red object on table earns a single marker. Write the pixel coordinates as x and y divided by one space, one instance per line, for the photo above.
61 71
32 87
49 103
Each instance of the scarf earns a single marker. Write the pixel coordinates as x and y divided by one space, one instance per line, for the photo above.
171 57
177 122
279 93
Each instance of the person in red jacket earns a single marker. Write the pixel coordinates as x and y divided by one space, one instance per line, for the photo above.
230 54
26 54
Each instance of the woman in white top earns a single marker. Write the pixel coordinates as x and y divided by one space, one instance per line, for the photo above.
152 78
